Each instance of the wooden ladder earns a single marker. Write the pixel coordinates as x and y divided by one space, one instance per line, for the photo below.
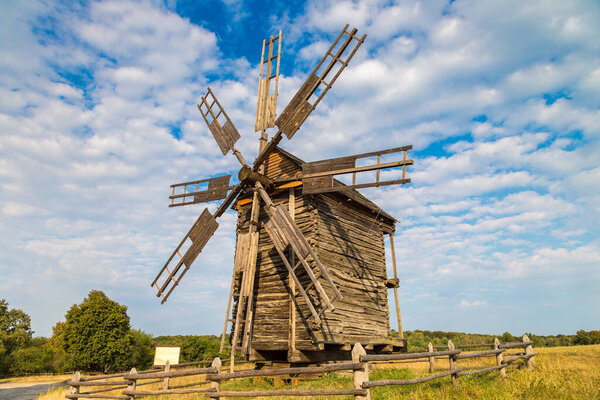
286 235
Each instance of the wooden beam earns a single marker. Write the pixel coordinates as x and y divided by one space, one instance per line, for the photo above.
398 316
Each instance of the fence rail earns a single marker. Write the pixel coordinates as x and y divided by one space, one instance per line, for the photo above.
360 367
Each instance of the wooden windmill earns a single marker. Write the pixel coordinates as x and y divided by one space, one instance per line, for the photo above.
309 274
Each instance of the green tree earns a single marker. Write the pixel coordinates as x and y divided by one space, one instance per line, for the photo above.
36 358
15 333
96 335
507 338
142 349
60 361
583 337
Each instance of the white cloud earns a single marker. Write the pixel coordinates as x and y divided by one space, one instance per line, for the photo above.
475 303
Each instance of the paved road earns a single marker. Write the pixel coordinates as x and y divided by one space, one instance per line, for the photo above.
25 390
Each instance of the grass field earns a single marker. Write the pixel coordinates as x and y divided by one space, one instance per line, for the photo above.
560 373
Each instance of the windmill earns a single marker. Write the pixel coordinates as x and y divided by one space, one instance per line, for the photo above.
270 241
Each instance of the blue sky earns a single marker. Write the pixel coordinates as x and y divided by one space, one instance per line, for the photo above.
500 99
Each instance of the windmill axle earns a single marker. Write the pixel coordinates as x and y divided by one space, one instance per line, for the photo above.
247 175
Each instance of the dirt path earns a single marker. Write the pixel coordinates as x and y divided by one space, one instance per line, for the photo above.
26 390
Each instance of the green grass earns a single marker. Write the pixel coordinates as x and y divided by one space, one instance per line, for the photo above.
560 373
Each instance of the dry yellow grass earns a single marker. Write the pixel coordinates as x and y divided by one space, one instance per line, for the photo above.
36 379
560 373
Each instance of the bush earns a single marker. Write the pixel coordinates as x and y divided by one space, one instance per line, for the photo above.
142 350
31 360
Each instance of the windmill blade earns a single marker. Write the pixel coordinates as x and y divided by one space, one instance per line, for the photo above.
199 234
195 240
266 102
316 85
225 134
318 176
186 193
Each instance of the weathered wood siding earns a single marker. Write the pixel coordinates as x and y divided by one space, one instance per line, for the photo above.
351 246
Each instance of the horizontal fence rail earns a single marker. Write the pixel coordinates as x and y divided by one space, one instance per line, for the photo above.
129 383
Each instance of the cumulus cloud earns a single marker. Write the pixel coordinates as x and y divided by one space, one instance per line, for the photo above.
499 99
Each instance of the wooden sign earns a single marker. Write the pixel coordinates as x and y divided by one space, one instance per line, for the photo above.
166 353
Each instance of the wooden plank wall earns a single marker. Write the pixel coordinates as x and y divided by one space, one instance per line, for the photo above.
351 246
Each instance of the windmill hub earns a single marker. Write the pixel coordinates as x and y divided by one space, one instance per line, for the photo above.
248 176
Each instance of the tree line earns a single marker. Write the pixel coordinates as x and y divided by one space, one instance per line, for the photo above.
419 339
96 336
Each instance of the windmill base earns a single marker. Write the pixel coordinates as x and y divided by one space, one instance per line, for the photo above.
330 351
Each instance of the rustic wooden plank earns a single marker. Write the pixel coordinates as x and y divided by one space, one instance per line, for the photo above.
477 354
165 392
95 396
510 345
407 356
96 383
480 371
508 360
285 371
390 382
186 372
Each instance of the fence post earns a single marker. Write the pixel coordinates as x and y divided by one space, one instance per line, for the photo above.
166 380
431 349
131 386
216 384
452 362
362 374
499 358
529 351
75 389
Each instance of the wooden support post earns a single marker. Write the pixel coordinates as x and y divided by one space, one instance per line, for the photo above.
398 316
452 362
431 359
292 283
361 374
75 389
499 358
222 346
215 385
529 351
166 380
132 384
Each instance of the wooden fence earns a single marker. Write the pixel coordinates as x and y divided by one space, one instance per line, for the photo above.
133 382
